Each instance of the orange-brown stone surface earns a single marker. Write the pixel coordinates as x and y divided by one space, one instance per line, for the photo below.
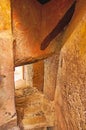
70 97
7 104
32 22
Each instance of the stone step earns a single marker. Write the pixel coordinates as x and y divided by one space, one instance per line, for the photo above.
33 108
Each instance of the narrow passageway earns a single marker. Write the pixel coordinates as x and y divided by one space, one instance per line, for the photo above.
34 109
42 64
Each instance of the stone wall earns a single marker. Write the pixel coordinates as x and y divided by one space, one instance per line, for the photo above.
70 97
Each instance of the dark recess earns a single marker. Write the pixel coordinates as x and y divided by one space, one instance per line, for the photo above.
43 1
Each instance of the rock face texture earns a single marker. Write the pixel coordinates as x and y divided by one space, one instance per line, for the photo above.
7 115
70 95
32 23
7 105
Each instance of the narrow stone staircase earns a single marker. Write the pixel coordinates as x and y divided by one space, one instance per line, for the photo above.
34 110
